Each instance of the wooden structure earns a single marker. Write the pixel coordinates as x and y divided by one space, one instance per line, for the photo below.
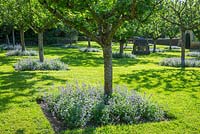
141 46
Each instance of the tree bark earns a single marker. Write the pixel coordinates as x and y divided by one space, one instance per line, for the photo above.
13 36
121 48
89 42
154 46
40 46
22 40
8 40
107 54
170 44
183 48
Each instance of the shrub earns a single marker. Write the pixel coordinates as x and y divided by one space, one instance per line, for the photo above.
176 62
124 55
34 64
194 54
89 49
19 52
69 46
10 47
83 105
158 50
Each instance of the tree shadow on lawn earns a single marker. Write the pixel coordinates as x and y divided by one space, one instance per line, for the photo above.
74 57
4 60
95 60
17 87
171 80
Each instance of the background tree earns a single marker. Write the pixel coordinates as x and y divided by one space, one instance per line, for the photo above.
23 18
185 14
41 20
196 32
153 28
125 32
7 16
70 33
99 20
171 30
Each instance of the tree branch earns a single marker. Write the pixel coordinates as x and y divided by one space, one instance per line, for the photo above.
58 15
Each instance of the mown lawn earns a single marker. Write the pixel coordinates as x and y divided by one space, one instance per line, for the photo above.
176 89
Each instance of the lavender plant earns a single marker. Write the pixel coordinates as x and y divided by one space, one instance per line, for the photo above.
81 105
194 54
176 62
10 47
124 55
89 49
29 64
19 52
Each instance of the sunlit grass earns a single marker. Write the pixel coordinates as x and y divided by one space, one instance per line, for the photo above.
176 89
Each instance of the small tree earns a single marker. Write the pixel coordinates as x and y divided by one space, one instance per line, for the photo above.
41 20
183 13
171 31
7 19
153 28
99 20
125 32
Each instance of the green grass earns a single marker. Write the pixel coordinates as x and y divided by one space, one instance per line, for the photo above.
176 89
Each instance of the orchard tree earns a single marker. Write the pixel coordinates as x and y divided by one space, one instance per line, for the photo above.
7 16
196 31
154 28
125 32
171 30
69 32
99 19
185 14
23 18
41 20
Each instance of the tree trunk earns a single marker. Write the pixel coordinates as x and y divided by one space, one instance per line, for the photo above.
40 46
121 48
107 54
70 41
22 40
89 42
183 48
154 46
8 40
170 44
13 36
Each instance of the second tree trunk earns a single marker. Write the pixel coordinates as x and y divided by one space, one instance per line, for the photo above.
22 40
40 46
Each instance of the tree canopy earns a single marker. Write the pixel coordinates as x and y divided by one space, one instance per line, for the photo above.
100 20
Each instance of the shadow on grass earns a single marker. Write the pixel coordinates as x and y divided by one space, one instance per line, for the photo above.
6 60
17 87
171 80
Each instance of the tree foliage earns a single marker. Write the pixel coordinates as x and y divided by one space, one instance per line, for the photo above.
99 19
185 14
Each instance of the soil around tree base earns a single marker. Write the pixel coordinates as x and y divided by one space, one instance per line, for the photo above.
55 123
